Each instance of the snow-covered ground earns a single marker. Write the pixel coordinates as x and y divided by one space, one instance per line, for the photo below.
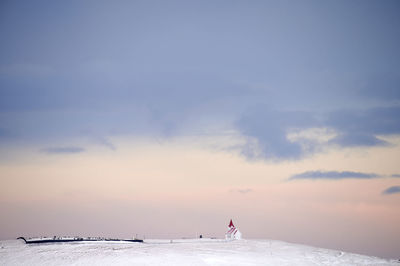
178 252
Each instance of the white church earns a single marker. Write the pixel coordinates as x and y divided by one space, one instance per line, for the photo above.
233 232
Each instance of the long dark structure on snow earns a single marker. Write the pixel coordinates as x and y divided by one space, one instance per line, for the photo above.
73 239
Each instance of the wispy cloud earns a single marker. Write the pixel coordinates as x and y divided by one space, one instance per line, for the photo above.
391 190
333 175
63 150
242 191
104 141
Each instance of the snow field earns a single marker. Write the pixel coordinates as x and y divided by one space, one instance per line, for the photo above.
179 252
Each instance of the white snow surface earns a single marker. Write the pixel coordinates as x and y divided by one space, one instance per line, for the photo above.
178 252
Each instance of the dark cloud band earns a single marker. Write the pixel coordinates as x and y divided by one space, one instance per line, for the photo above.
333 175
391 190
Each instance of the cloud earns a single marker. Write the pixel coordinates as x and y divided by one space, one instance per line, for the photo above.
242 191
268 128
63 150
105 142
102 141
203 72
357 139
395 175
391 190
268 131
333 175
360 127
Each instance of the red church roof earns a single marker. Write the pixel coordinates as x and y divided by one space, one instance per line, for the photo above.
231 224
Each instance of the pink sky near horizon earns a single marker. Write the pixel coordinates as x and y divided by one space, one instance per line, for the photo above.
174 190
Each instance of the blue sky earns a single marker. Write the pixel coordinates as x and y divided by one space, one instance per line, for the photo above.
292 82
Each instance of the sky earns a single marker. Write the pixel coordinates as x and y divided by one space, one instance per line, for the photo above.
165 119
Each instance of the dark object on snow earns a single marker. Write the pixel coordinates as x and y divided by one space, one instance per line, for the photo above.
201 236
73 239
